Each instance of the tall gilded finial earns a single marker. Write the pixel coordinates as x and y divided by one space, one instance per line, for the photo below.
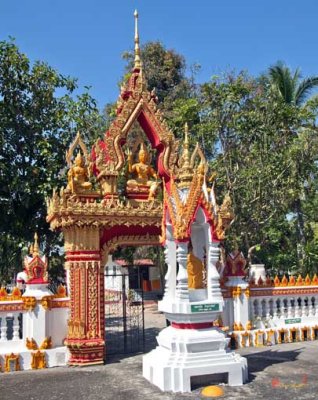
185 153
138 63
185 170
35 247
186 133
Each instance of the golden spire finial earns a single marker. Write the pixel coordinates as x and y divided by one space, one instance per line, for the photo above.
186 133
35 247
185 154
138 63
185 170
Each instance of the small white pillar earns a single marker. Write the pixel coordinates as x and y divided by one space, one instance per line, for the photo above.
213 277
182 292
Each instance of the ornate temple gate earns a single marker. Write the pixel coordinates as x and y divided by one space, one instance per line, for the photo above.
124 317
95 220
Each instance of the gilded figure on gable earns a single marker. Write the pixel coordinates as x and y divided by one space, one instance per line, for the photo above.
78 177
142 172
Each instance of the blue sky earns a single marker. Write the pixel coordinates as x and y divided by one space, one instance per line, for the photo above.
85 39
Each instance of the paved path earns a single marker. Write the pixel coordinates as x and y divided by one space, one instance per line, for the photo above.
280 372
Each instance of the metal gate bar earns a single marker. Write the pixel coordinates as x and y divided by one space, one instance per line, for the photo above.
124 316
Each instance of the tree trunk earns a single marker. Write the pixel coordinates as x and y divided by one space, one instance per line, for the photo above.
300 232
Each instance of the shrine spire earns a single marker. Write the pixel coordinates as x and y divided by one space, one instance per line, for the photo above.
35 247
138 62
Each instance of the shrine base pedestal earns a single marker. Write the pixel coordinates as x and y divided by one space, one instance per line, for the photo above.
186 353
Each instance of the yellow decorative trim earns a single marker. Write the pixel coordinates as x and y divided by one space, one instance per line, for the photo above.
259 336
38 360
279 337
60 304
46 344
61 291
244 335
128 240
313 328
8 359
76 329
238 326
29 303
291 331
236 291
16 294
304 329
3 294
31 344
46 302
19 306
269 335
248 326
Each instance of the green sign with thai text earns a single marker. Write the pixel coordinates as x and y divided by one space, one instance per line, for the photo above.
204 307
293 321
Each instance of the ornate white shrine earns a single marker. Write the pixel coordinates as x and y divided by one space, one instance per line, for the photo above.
193 226
33 325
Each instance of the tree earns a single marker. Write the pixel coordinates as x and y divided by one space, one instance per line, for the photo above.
36 127
254 155
294 92
289 86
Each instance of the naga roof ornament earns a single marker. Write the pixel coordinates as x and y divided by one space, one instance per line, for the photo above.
188 190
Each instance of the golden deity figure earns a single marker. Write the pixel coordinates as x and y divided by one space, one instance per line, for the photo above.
77 176
143 173
195 270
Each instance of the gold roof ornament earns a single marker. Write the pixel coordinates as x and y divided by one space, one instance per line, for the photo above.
35 246
138 62
185 169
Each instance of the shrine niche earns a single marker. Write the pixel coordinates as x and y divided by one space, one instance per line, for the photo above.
135 164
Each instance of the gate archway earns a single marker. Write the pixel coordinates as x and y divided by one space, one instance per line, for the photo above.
95 221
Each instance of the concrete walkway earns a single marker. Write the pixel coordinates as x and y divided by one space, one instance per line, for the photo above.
280 372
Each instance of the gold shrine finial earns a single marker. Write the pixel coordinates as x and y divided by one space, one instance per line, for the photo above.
35 249
186 172
185 154
138 63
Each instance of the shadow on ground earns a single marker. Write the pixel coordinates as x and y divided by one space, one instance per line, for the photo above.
260 360
117 351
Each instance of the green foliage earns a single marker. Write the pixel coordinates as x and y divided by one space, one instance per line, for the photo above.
38 119
265 152
260 136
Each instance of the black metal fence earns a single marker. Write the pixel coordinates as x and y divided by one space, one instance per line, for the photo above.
124 316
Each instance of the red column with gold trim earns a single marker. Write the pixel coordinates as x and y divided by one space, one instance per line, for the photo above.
85 338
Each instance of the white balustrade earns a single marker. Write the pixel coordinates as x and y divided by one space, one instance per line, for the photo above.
316 306
16 327
9 331
277 307
312 307
290 308
3 329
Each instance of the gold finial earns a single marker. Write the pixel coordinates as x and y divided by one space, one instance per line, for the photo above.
35 247
186 172
138 63
186 133
186 155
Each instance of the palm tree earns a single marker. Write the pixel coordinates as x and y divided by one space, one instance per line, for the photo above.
292 89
